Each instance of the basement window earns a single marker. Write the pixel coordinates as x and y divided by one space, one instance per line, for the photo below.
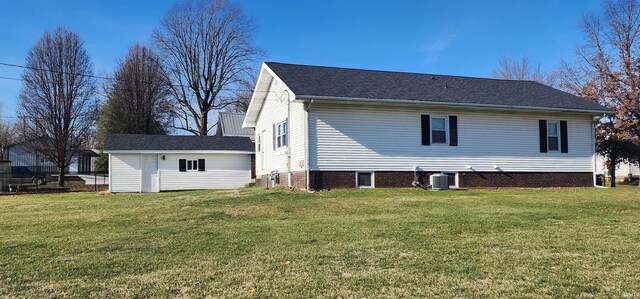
453 178
364 179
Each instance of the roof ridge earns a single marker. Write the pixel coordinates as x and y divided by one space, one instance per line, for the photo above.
400 72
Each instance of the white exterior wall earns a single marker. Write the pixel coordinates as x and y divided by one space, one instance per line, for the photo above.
223 171
622 170
124 173
347 138
276 110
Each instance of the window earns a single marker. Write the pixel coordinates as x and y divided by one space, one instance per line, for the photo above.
453 176
438 130
280 131
191 165
553 133
364 179
258 143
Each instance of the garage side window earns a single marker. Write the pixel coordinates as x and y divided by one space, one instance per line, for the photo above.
185 165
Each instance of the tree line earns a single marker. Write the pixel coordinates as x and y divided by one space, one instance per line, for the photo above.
605 69
200 57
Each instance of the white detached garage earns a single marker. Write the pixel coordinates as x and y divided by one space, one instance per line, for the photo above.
154 163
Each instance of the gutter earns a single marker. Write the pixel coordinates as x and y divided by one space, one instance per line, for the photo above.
447 104
176 152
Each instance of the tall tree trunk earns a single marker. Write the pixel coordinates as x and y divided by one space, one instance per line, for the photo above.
612 166
204 122
60 177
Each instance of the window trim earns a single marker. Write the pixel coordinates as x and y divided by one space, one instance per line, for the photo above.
373 180
446 129
281 134
191 162
558 133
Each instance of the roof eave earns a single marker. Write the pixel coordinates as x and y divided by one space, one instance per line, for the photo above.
448 104
178 151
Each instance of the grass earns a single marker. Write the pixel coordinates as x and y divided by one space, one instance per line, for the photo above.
347 243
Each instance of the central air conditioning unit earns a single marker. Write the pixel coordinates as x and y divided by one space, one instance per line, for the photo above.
439 181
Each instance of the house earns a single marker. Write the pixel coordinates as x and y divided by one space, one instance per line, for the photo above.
21 156
230 124
327 127
623 169
153 163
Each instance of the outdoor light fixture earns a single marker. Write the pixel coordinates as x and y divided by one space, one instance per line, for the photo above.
163 157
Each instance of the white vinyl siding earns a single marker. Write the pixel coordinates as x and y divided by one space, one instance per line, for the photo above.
342 138
125 173
296 136
222 171
275 111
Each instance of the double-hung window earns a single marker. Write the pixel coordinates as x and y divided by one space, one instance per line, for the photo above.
553 136
438 129
281 132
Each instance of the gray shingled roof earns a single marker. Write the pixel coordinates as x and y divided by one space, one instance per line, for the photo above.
318 81
231 125
126 142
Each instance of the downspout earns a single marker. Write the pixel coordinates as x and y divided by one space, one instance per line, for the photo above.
594 155
306 142
289 175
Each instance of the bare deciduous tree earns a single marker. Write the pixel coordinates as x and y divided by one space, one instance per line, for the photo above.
8 135
207 48
512 69
607 69
242 96
138 96
57 102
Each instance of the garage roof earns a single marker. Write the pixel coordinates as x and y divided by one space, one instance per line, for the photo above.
137 142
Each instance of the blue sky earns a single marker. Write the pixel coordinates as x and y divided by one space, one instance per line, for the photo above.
442 37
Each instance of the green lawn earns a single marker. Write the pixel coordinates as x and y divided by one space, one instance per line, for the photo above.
349 243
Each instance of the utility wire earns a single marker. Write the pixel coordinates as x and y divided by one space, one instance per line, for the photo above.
98 77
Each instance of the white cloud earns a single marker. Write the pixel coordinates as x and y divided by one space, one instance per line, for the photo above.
441 42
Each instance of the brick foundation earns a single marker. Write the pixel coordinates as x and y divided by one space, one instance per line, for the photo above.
525 179
320 180
299 180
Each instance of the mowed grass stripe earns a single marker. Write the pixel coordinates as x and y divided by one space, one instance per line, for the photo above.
342 243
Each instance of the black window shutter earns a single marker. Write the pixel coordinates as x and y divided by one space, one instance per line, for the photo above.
425 120
453 130
200 164
543 135
274 136
564 139
182 165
